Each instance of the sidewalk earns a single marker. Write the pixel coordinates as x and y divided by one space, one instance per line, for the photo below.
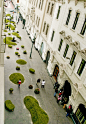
21 115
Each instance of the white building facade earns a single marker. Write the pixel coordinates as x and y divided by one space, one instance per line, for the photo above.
60 31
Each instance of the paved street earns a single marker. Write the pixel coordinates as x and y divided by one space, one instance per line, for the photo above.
21 115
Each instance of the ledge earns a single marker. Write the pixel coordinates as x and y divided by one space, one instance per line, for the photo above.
72 29
80 35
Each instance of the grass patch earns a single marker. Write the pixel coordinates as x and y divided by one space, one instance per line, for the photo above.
21 61
9 106
5 30
8 41
38 115
15 78
16 34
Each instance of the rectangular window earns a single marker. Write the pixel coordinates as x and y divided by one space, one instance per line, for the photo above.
39 4
47 29
44 27
58 12
42 4
73 58
66 50
36 3
81 67
38 22
83 28
76 20
51 9
52 35
48 7
68 18
60 45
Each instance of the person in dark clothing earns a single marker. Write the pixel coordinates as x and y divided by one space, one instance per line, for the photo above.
56 85
69 110
38 81
19 82
56 91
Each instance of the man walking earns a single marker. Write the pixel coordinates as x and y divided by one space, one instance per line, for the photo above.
43 83
38 81
19 82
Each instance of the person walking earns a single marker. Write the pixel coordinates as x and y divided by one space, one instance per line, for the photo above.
69 110
38 81
56 91
42 84
19 82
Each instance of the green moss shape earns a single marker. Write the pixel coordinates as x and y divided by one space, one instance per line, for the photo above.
5 30
10 46
32 70
8 41
8 15
16 34
9 106
22 46
15 78
21 61
38 115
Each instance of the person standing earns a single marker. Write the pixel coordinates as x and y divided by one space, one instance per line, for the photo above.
19 82
38 81
56 91
43 83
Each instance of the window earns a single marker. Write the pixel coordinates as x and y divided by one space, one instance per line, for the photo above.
81 67
47 29
44 27
39 3
58 12
60 45
66 50
42 4
36 3
17 1
51 9
76 20
68 18
38 21
48 7
73 58
52 35
83 28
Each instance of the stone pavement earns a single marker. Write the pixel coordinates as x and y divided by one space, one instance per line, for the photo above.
21 115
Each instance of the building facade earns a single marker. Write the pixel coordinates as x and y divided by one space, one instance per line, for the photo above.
60 31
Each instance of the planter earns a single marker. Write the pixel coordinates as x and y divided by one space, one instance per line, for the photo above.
24 52
9 106
19 55
17 68
37 91
8 57
16 53
32 70
17 48
22 46
11 90
30 87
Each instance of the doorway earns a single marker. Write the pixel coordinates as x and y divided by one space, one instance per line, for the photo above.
56 72
47 57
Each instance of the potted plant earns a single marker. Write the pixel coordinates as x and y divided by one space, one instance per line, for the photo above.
10 46
30 86
8 57
22 46
37 91
11 90
17 48
16 53
32 70
25 52
17 32
17 68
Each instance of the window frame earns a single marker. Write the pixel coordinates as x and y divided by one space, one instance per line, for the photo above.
60 45
66 50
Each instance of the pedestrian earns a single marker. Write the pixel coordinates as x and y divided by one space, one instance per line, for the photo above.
43 83
69 110
19 82
56 91
38 81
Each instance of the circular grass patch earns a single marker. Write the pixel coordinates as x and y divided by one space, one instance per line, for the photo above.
21 61
15 78
8 41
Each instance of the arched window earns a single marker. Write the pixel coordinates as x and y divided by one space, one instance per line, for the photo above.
44 26
47 29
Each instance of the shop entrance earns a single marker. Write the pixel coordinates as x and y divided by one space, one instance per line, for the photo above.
41 49
56 72
81 114
47 57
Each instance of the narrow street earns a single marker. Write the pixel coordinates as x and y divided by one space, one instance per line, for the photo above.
46 98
